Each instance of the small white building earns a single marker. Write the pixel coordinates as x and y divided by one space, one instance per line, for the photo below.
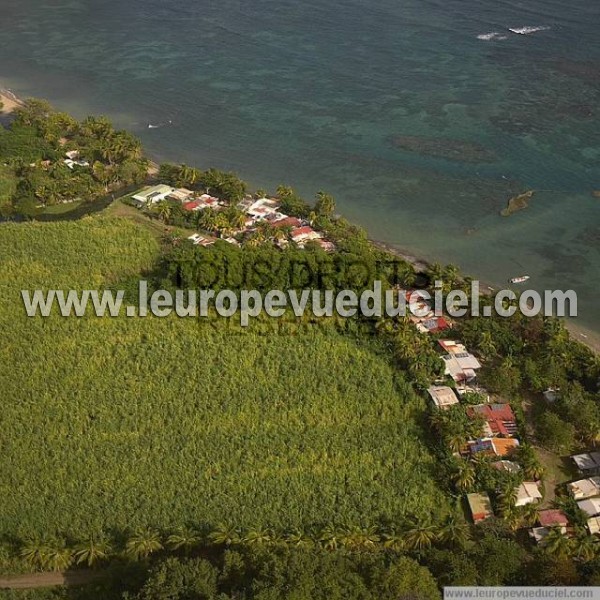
528 492
76 163
263 207
301 235
181 195
584 488
443 396
593 525
461 367
151 195
591 506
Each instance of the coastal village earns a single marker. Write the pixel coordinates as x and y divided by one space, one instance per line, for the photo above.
257 212
499 436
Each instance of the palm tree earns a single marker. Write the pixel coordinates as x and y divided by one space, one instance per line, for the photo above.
164 210
512 516
92 551
507 494
585 547
258 537
486 345
299 539
325 205
455 441
464 477
265 229
329 538
355 538
454 532
435 272
532 468
556 543
187 175
58 556
143 543
184 539
207 219
406 273
225 535
420 537
35 552
284 191
394 541
237 219
531 514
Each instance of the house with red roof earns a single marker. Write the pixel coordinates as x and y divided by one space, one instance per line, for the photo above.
288 222
552 518
193 205
499 419
304 234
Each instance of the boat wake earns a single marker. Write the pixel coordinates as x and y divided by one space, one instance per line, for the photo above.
494 35
528 30
151 126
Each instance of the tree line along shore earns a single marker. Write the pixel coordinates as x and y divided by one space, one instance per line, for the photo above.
385 539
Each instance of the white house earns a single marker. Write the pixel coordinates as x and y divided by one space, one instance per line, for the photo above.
151 195
443 396
591 506
584 488
263 207
527 493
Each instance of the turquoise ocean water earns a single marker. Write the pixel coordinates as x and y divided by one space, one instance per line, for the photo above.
420 128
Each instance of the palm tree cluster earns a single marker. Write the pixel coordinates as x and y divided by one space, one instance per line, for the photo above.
55 554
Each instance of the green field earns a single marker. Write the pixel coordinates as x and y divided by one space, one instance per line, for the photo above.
114 423
8 184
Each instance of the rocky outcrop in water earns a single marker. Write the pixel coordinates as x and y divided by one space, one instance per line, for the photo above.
517 203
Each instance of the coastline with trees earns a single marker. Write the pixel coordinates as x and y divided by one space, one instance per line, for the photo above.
521 359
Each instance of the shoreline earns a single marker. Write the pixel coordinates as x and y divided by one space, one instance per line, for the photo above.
579 333
9 100
584 335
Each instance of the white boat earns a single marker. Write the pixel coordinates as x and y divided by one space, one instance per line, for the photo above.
521 279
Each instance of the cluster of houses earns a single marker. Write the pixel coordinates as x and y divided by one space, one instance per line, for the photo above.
587 490
422 314
262 210
498 438
267 210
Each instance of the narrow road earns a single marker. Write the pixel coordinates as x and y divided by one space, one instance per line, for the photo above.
39 580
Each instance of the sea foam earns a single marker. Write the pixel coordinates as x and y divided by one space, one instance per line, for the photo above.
494 35
527 30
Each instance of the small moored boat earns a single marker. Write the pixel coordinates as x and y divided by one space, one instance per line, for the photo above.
521 279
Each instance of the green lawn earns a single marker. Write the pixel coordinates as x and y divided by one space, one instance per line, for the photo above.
112 423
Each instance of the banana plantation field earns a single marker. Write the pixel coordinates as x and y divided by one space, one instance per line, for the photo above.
109 424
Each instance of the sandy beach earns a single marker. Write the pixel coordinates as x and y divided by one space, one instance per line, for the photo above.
9 101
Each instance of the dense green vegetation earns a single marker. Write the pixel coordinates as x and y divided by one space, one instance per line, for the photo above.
33 172
256 431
